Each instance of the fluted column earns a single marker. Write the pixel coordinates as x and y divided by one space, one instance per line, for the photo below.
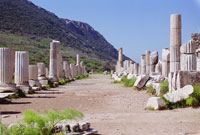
54 49
175 42
7 65
22 70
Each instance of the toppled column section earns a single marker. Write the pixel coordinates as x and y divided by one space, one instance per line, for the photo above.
175 42
22 71
7 67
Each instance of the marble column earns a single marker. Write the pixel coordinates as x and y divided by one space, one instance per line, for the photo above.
158 68
42 74
143 64
78 64
120 57
47 72
147 61
72 66
33 77
54 50
188 57
7 66
22 70
82 67
165 62
198 59
175 42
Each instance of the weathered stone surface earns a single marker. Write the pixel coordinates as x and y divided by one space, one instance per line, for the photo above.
120 57
147 61
180 94
157 78
188 62
54 50
7 67
130 76
22 70
187 78
60 71
165 62
141 81
136 66
143 64
188 48
165 55
154 58
175 42
156 103
158 68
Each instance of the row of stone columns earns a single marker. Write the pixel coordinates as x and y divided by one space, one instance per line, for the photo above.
15 65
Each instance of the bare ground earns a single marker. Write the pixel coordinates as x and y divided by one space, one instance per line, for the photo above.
111 108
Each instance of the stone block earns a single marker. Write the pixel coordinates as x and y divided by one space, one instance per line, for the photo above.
141 81
156 103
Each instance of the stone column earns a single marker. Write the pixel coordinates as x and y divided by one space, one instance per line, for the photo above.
54 49
33 77
7 66
139 69
47 72
158 68
188 57
60 71
175 42
136 65
22 70
66 68
165 62
78 64
153 61
72 70
82 68
42 74
120 57
143 64
147 62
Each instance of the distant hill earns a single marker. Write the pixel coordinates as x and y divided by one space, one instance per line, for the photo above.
28 22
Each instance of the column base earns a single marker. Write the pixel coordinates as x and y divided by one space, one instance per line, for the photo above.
8 88
25 88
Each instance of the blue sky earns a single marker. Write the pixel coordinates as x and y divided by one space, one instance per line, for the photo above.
135 25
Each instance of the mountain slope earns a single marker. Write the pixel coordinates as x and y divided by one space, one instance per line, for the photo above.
22 17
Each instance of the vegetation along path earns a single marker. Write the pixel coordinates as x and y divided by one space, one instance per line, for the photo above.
111 108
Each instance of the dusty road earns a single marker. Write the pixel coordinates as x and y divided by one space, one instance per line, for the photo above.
111 108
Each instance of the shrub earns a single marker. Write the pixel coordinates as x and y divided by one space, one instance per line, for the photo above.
150 90
51 84
67 80
40 124
124 79
192 101
61 82
19 94
129 82
164 87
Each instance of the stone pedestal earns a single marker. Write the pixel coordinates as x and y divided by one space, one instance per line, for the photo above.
33 77
175 42
22 71
7 66
165 62
147 62
143 64
54 50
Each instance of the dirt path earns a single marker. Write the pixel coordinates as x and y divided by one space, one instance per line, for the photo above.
111 108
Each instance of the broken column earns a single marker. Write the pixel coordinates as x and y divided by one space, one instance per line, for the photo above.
33 77
143 64
120 60
7 66
158 68
42 74
73 74
188 57
175 42
147 62
22 71
165 62
153 61
54 50
78 64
